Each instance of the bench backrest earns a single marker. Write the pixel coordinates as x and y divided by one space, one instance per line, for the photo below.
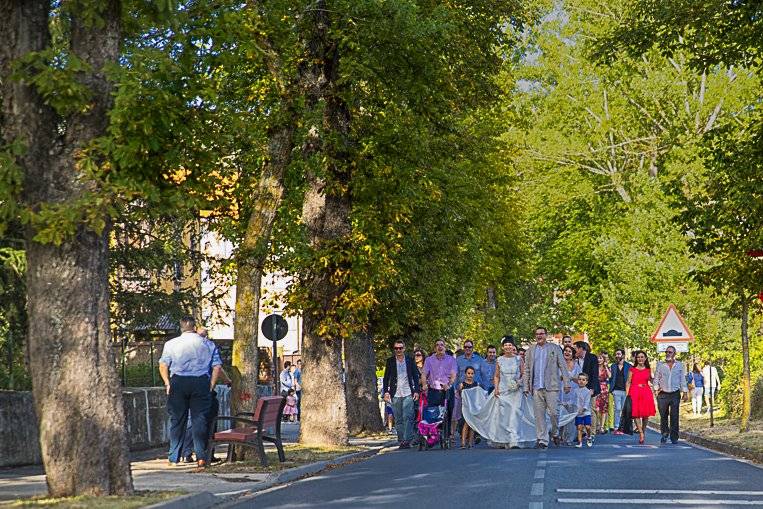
269 410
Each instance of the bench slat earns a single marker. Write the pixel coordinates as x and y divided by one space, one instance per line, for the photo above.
236 435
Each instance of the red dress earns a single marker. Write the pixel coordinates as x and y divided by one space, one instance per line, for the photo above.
642 399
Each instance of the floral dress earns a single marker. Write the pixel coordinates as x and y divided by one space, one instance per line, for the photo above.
602 399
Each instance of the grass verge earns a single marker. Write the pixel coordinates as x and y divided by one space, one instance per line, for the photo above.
725 429
296 455
139 499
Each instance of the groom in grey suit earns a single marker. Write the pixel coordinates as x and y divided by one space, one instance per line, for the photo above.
544 367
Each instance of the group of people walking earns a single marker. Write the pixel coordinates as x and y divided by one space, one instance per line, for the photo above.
547 393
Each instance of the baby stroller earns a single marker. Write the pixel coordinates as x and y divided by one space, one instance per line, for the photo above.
434 426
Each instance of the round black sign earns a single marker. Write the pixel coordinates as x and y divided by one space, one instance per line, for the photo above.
281 327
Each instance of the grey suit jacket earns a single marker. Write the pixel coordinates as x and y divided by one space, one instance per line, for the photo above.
554 370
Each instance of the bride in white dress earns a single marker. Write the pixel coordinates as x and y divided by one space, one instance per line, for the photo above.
505 417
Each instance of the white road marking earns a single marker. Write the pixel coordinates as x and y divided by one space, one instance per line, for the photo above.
540 473
654 501
536 505
542 463
662 492
536 490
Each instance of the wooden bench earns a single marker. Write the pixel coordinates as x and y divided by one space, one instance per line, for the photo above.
252 428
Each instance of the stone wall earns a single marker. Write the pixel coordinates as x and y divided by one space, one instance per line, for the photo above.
146 418
19 438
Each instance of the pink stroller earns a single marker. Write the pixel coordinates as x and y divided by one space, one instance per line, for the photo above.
433 426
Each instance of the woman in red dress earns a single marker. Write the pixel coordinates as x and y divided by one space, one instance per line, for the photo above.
639 388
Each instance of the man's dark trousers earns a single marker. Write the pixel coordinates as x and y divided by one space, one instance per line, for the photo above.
189 392
669 404
214 411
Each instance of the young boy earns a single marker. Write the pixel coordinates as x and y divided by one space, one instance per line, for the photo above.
583 405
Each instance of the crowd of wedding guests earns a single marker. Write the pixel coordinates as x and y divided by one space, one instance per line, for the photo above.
563 378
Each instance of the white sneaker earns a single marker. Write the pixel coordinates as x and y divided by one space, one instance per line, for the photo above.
579 445
589 442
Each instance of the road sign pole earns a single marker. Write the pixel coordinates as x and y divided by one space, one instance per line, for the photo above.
276 392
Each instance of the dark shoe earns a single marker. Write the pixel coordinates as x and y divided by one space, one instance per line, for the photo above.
189 458
406 445
477 440
555 439
201 465
541 445
674 442
663 439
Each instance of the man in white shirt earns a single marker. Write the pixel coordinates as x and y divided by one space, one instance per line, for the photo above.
669 383
712 384
286 378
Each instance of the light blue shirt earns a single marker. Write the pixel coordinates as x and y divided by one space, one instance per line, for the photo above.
476 362
539 365
298 376
190 355
488 372
287 380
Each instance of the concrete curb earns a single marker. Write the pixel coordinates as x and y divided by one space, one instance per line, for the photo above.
295 473
301 472
715 445
207 500
202 500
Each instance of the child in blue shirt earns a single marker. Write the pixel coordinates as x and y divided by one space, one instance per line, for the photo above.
583 406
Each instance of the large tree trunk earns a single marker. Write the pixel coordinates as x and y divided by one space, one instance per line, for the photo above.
251 261
74 379
362 394
326 215
746 382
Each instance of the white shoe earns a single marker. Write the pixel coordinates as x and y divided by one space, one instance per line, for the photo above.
589 443
579 445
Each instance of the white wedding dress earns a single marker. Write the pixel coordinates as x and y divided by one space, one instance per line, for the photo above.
506 420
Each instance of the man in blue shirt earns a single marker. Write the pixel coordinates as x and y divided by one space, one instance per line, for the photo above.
469 358
488 369
185 367
214 408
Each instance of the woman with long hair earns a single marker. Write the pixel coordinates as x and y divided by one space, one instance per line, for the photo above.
602 399
567 399
697 380
639 388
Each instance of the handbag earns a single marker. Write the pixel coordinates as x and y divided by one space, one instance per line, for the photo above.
626 418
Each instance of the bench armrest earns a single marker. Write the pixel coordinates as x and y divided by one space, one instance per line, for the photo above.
236 419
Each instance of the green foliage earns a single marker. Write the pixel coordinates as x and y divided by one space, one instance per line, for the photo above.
13 318
604 153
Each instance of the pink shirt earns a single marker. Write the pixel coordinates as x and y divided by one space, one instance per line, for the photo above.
438 371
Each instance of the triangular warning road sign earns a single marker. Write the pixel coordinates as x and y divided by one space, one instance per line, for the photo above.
672 327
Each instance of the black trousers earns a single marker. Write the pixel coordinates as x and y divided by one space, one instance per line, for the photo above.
668 404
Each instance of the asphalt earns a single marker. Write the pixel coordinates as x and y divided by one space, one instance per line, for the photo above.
616 472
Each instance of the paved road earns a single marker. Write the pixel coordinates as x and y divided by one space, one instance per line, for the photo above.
615 473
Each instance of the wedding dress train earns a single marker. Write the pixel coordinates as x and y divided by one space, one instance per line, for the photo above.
506 420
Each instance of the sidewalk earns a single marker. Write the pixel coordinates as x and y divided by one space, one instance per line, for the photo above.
150 472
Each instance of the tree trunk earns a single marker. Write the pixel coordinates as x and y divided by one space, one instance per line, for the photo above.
251 261
74 380
746 383
245 334
362 394
326 215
